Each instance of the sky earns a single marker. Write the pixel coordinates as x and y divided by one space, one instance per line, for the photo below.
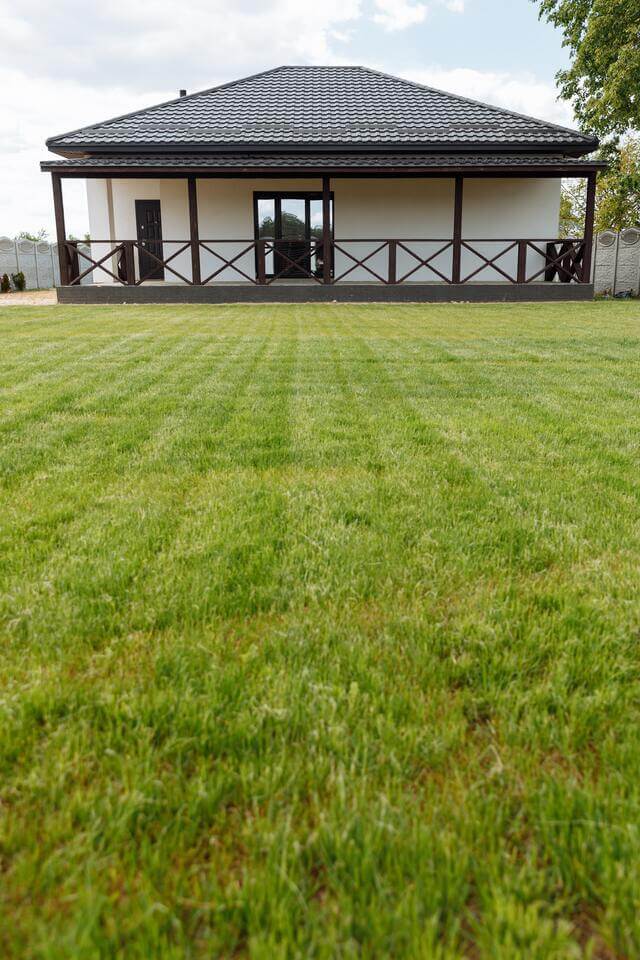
67 64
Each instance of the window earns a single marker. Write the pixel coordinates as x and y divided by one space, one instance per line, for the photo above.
294 222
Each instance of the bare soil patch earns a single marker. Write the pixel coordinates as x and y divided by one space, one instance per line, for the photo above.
28 298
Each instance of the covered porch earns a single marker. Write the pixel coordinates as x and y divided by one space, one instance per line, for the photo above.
472 228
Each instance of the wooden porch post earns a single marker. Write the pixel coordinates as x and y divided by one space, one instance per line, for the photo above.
196 277
326 229
61 231
457 229
589 218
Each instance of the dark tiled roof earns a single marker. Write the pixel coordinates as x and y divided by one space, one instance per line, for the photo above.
314 161
323 107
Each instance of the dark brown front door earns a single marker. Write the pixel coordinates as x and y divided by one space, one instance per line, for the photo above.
149 226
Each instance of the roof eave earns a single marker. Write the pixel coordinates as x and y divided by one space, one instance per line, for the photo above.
569 148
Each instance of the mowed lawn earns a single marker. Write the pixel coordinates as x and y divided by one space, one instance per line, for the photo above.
320 632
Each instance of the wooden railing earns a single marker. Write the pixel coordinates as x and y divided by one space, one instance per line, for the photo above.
265 261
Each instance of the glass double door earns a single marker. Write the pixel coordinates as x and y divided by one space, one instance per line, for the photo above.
294 221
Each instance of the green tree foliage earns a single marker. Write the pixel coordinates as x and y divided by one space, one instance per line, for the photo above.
603 81
41 234
617 198
572 204
618 203
292 226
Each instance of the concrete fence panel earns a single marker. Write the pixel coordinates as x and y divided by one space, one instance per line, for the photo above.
616 261
38 260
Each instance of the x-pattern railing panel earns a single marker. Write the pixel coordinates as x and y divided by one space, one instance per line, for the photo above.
228 264
360 263
574 253
488 261
163 262
94 264
424 263
312 247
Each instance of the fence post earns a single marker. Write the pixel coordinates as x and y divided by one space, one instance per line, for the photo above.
392 262
262 271
129 262
522 261
73 263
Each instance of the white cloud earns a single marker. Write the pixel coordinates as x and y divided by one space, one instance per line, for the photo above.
398 14
144 43
393 15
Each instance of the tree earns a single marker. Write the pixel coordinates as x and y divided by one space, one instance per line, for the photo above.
618 203
617 198
603 81
42 234
572 208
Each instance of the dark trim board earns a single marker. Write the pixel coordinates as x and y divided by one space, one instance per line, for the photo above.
311 173
567 148
296 292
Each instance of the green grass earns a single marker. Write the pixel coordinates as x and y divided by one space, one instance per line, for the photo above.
320 632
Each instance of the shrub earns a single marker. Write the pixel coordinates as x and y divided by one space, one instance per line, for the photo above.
19 281
5 286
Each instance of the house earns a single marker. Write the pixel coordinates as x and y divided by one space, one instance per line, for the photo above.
323 183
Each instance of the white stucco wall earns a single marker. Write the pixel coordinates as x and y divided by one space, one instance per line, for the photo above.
100 228
509 209
395 210
365 210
